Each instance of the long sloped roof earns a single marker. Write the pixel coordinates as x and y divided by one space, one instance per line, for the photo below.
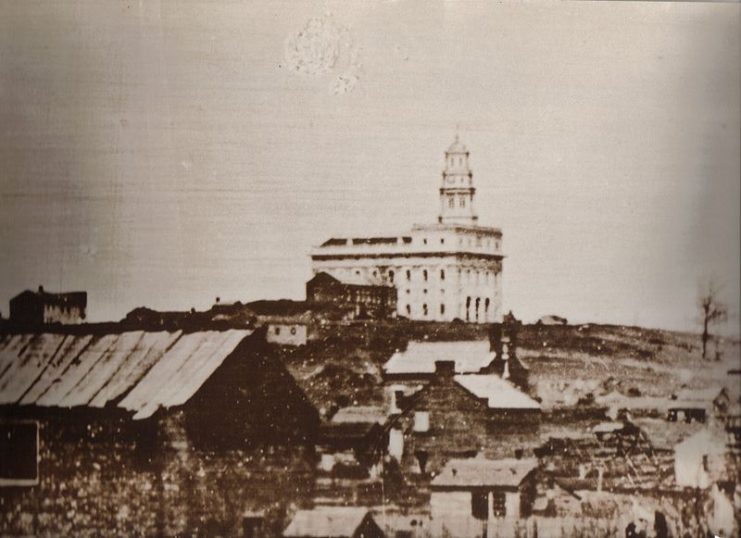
499 393
420 357
326 521
479 472
145 370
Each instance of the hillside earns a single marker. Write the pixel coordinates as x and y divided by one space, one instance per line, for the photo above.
342 367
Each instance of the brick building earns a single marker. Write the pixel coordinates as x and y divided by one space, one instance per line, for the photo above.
39 307
456 416
363 300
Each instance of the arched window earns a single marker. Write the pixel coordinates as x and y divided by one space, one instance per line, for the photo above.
442 274
409 274
442 308
409 310
478 300
391 277
424 275
468 308
424 309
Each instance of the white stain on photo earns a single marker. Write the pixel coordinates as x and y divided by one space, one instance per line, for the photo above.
324 47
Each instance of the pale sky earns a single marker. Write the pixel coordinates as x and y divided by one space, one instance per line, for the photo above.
165 153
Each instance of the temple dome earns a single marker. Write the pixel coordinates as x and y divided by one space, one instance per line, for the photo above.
457 147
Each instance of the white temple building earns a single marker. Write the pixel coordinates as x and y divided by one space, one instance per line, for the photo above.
442 271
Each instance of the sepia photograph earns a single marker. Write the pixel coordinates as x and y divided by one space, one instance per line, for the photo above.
370 269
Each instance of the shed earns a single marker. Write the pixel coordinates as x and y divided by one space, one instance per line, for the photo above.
333 522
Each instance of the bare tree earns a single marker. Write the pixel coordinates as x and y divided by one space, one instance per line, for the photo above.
713 311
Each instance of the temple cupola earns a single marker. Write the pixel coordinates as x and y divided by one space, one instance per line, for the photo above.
457 192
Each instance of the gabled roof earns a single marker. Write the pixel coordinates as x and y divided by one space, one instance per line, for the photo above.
481 472
706 395
144 370
420 357
351 280
499 393
69 298
326 521
360 414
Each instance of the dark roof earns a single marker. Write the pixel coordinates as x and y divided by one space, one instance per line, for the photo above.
68 299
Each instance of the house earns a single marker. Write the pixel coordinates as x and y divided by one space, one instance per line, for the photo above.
351 447
287 333
365 299
470 495
551 320
149 433
417 361
699 404
457 415
333 522
700 460
42 307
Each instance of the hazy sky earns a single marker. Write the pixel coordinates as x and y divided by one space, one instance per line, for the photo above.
164 153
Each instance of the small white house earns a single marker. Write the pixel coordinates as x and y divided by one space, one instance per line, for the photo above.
700 459
287 334
470 495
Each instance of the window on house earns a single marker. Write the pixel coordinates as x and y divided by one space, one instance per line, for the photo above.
409 309
409 274
442 309
462 201
421 456
498 504
442 241
252 526
480 504
451 202
442 274
424 275
293 331
424 240
486 305
277 330
391 277
424 309
19 453
421 421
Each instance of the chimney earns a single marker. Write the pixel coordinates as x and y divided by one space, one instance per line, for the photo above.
495 337
41 288
444 368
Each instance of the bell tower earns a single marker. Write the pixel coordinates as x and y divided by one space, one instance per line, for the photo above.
457 191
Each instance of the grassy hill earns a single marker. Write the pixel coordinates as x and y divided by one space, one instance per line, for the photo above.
342 367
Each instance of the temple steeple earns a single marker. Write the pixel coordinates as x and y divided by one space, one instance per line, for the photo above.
457 192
